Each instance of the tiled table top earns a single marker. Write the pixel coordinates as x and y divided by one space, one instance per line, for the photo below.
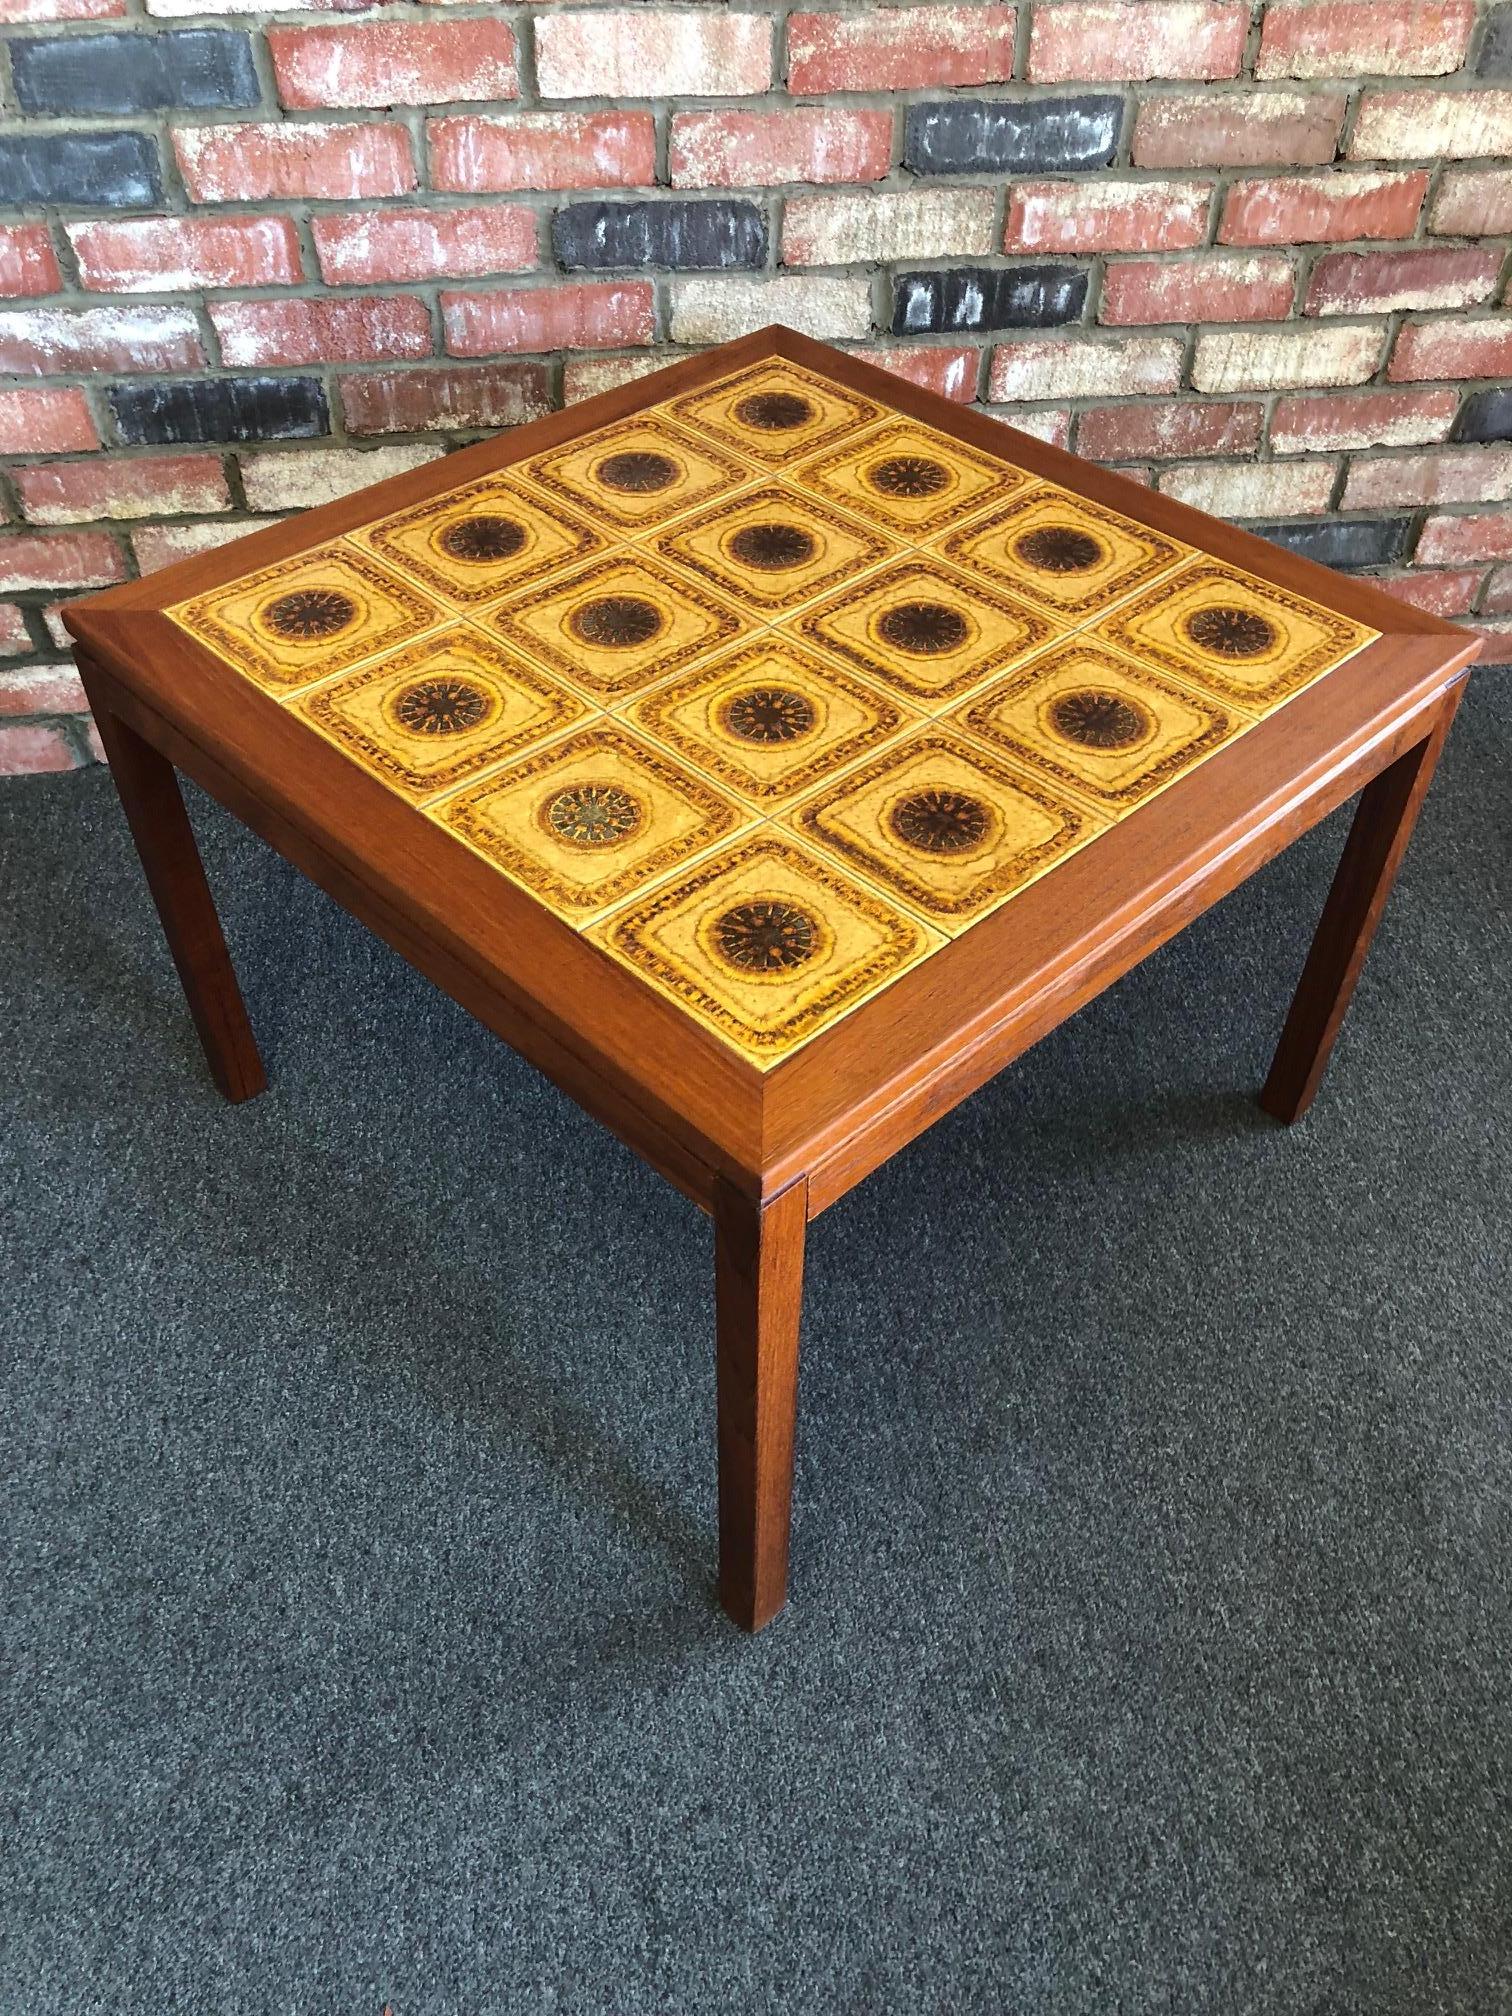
770 690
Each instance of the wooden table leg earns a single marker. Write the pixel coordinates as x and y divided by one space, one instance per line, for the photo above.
1383 823
154 807
758 1292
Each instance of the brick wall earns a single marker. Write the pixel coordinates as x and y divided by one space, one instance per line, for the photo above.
1252 253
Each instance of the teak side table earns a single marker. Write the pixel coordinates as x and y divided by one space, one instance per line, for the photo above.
770 752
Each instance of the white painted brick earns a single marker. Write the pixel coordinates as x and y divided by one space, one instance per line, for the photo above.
1432 125
1253 489
851 229
1046 368
1264 360
296 479
714 311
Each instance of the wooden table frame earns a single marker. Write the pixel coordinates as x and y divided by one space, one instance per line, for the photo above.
765 1153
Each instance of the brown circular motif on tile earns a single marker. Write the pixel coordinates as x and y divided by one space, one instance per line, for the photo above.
774 412
909 476
773 546
1098 718
639 470
768 714
616 622
766 936
1230 632
484 536
1058 549
923 627
593 815
941 821
305 614
440 706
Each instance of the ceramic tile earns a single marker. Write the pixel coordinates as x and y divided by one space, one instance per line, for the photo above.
428 717
619 624
1240 639
288 625
765 942
773 413
911 478
924 631
770 718
476 544
1114 730
1062 553
638 473
590 818
944 826
770 549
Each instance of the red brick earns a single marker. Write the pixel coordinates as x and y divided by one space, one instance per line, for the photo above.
741 150
1432 125
587 315
59 560
52 340
14 635
28 264
1451 538
249 164
41 689
1360 283
1108 40
899 48
395 62
152 254
1364 38
54 421
1166 429
446 396
543 150
1050 367
1448 593
950 370
15 12
27 749
1439 476
586 377
1241 129
1293 209
347 329
1473 203
1361 420
1254 288
1106 217
113 486
652 52
1478 348
358 247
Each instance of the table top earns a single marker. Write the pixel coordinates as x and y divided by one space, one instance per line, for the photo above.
773 678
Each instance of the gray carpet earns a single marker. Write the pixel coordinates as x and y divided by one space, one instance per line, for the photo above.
1150 1647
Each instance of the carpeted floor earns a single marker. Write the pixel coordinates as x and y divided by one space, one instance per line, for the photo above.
1150 1644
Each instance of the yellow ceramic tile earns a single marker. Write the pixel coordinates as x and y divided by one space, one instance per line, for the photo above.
771 549
924 631
765 943
775 412
1114 730
430 716
590 818
911 478
638 473
619 624
474 545
1234 636
303 619
1062 553
770 718
944 826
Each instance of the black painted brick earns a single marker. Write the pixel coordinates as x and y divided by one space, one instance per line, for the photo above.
1486 416
198 67
220 409
118 170
1345 543
1030 296
961 136
1495 59
685 235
